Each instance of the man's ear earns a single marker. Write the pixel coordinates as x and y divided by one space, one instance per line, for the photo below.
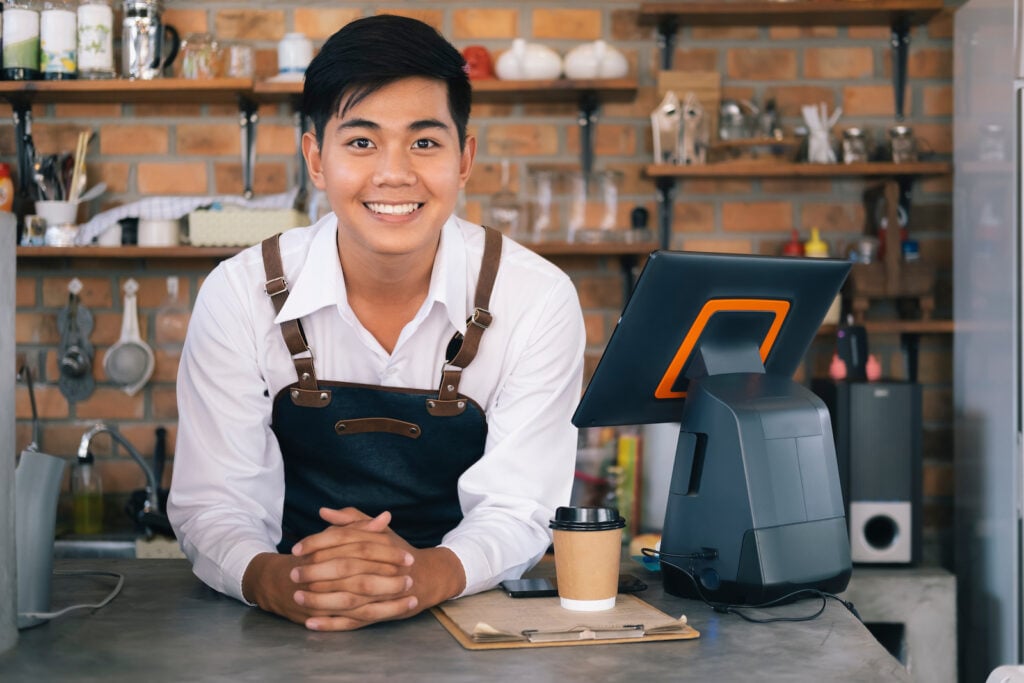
466 162
311 153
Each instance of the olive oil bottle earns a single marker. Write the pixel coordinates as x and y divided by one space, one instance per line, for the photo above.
86 497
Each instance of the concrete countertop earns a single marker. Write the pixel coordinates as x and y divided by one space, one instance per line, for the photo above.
166 625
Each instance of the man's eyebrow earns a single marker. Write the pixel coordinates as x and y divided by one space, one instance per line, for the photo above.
415 126
424 124
358 123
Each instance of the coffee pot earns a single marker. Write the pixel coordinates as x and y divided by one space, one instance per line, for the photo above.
142 40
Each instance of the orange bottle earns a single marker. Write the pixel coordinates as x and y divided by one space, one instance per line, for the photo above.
6 188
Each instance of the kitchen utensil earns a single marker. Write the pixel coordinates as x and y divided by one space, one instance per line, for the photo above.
143 38
74 352
78 175
129 362
93 192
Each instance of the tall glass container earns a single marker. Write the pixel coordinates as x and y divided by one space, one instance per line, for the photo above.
58 40
86 497
96 39
20 40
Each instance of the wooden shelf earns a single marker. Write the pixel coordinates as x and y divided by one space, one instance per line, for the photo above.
119 90
899 327
129 252
795 13
773 169
125 252
494 90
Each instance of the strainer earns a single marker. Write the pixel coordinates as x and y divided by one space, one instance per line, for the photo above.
129 362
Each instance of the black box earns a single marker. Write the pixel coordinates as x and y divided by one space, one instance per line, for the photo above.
877 428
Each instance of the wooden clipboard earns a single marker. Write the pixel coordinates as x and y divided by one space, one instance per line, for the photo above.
495 612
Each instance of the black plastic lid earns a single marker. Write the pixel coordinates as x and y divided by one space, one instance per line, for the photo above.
587 519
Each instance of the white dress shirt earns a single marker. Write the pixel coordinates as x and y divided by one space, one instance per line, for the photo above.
228 486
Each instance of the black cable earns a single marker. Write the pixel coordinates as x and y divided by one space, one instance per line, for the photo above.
724 608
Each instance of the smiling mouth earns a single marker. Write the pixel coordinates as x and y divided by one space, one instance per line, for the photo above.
393 209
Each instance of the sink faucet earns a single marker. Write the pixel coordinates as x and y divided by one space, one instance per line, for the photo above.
152 485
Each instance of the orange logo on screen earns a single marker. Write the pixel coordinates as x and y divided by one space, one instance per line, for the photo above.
777 306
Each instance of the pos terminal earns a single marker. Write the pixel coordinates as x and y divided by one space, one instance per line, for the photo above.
755 511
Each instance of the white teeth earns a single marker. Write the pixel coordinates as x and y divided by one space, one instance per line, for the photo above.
393 209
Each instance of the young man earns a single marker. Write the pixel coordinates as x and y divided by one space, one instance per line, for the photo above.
374 412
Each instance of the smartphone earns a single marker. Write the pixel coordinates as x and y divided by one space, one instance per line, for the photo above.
546 588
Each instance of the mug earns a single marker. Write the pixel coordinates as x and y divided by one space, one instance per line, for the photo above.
158 232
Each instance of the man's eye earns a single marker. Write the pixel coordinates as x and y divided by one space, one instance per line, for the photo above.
361 143
424 144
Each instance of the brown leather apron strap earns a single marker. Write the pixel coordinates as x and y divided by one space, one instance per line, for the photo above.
276 288
364 425
448 401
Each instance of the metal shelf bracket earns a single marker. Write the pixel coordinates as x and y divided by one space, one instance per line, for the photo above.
665 191
247 120
589 103
900 43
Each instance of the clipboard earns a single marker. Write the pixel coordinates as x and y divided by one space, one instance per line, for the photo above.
493 621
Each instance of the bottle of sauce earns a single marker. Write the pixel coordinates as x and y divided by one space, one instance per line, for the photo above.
818 248
6 188
86 497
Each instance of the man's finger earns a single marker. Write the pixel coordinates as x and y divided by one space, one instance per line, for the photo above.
357 618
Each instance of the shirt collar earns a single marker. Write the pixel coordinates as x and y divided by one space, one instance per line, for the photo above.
312 290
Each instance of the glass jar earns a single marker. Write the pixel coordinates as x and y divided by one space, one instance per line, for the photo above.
992 144
544 225
594 206
239 61
58 40
294 53
96 39
902 148
200 56
855 146
20 40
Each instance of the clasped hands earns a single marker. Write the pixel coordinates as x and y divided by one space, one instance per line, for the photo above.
355 572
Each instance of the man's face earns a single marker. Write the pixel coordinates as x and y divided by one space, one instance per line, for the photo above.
391 168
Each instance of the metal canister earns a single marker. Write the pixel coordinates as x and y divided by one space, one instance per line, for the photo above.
902 147
855 146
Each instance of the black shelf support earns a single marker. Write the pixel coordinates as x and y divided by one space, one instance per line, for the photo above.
900 42
667 27
589 103
247 120
665 187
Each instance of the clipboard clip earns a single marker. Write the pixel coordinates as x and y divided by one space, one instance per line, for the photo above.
584 633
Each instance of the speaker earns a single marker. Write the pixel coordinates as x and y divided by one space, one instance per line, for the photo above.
877 428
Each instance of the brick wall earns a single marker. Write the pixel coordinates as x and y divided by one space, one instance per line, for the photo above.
145 149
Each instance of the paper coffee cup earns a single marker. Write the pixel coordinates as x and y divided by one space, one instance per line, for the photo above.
588 545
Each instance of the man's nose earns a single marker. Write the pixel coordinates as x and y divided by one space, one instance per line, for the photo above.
394 167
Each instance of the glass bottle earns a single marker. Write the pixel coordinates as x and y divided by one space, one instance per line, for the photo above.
505 213
58 40
86 497
96 39
20 40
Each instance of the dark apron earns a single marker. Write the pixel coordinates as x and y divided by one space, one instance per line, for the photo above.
378 448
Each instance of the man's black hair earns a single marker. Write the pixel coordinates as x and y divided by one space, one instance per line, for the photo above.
370 53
